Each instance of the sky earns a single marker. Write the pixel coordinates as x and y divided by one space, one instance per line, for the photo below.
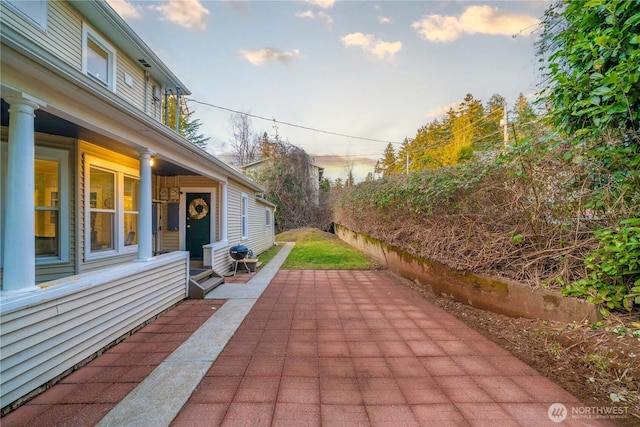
341 79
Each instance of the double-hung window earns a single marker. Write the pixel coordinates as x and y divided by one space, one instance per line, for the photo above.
51 201
111 203
130 203
245 216
98 58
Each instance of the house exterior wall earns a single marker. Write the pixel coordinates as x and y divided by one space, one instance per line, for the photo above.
66 324
69 310
261 231
63 37
171 238
260 237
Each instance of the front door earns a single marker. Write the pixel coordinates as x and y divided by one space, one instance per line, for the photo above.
198 231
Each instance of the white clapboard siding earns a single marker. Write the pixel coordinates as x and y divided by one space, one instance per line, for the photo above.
260 235
63 35
133 94
234 212
221 260
47 332
63 39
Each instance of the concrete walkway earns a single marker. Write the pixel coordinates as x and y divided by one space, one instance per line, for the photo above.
305 348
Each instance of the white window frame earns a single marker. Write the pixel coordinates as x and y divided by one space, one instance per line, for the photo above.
62 157
244 216
89 33
119 238
267 217
34 10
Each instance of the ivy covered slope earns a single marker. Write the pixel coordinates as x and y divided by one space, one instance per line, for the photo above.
559 205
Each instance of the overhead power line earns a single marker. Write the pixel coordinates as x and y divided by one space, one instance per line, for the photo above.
293 124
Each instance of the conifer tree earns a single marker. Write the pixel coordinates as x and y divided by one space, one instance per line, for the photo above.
188 127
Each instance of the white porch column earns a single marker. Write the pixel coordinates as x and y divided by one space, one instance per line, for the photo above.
19 246
223 213
145 212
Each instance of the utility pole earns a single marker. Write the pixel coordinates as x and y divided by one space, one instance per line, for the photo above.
178 109
407 151
166 106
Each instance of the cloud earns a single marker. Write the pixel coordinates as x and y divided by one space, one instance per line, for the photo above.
437 112
259 57
322 17
475 19
325 4
341 161
377 48
184 13
384 20
125 9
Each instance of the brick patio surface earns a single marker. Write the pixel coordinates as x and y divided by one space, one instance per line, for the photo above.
322 348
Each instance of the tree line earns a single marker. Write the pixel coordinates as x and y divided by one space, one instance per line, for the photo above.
471 127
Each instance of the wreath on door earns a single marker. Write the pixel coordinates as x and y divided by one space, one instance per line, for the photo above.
198 209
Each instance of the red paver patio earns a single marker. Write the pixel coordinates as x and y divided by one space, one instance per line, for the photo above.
330 348
88 394
349 348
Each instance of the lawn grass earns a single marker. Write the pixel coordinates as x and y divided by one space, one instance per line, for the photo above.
268 255
317 250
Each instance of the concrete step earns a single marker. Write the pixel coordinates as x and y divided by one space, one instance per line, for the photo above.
203 283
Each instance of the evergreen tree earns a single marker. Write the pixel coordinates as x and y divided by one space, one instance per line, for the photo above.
523 118
187 126
402 159
491 133
387 164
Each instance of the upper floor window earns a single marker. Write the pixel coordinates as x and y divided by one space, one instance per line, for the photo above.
98 58
34 10
267 221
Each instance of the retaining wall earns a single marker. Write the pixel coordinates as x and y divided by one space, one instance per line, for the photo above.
498 295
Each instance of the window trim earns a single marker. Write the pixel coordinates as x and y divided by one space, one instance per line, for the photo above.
244 216
267 217
62 157
89 33
120 172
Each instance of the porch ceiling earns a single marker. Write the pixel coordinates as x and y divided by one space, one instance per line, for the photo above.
50 124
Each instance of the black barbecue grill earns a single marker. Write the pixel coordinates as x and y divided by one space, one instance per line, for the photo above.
239 253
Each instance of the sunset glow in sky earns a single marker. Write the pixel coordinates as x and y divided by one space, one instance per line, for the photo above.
375 70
